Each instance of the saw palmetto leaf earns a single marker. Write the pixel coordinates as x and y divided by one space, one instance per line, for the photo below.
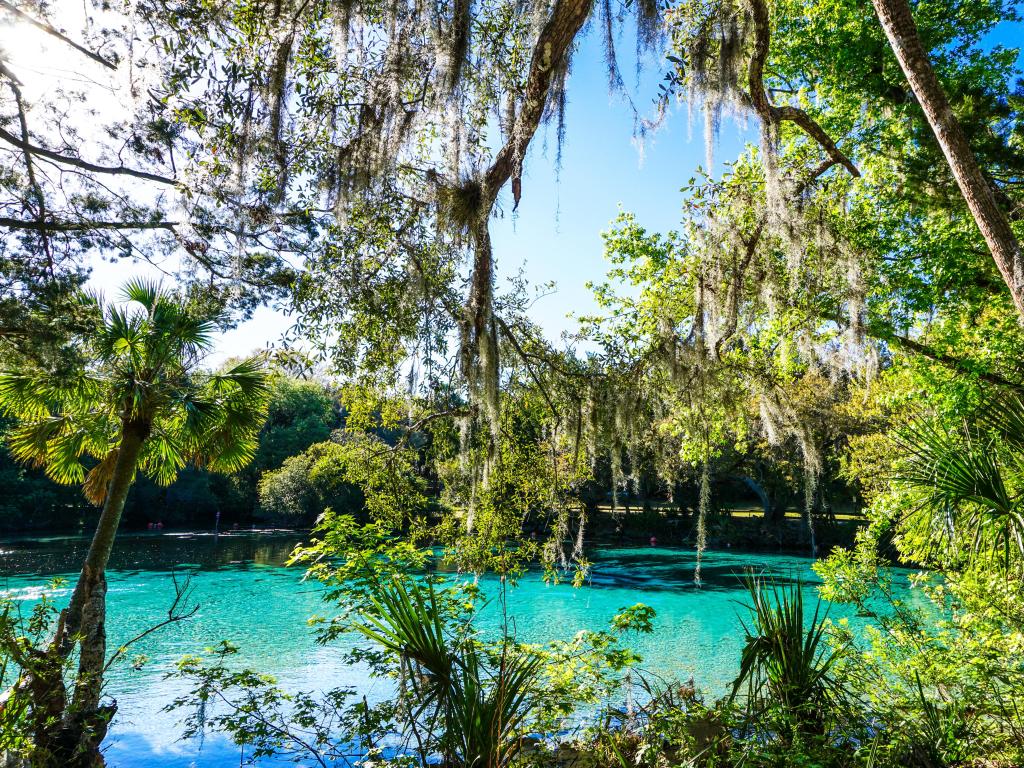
481 707
968 480
787 663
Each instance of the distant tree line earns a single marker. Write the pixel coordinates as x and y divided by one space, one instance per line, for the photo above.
301 414
298 472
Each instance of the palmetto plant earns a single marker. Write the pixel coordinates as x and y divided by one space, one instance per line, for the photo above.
787 664
968 482
141 404
467 705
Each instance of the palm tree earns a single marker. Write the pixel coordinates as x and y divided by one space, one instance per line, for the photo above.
142 404
968 483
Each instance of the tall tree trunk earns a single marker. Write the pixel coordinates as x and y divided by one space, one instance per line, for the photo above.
75 740
898 24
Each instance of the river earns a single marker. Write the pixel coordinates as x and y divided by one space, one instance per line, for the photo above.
245 594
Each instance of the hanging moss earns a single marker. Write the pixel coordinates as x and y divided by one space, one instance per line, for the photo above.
714 42
703 505
460 207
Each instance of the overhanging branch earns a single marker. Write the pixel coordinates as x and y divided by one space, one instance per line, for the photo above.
773 115
76 162
553 44
82 226
53 32
956 364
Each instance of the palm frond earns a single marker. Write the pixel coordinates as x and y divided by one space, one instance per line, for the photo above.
29 442
223 419
407 622
97 481
162 457
953 469
199 413
142 291
145 353
24 396
64 456
194 335
786 663
1004 416
482 707
965 481
483 718
249 379
122 337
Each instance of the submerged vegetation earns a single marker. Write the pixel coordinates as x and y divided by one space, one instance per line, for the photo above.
835 323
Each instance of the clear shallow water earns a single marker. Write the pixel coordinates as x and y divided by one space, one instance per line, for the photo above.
246 595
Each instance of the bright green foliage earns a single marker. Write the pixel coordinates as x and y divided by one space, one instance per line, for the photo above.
146 354
532 484
941 668
812 270
307 484
479 708
825 292
20 639
354 560
299 414
965 486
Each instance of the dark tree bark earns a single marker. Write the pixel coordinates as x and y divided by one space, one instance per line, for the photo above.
901 31
553 44
775 115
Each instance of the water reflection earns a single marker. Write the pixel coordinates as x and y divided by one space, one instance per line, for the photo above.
150 551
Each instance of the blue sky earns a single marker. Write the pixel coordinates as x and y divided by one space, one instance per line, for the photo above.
556 235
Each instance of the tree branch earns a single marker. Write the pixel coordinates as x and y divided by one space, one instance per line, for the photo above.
809 126
549 54
553 44
773 115
35 190
82 226
533 375
956 364
76 162
11 8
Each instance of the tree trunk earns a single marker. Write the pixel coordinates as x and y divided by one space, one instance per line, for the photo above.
898 24
75 739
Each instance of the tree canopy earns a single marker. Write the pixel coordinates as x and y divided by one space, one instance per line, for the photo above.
349 159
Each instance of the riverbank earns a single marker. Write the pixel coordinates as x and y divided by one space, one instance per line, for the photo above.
741 529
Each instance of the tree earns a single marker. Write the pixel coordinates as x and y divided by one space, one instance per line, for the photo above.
91 166
306 484
141 404
898 23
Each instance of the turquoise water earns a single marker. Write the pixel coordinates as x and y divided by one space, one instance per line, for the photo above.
246 595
